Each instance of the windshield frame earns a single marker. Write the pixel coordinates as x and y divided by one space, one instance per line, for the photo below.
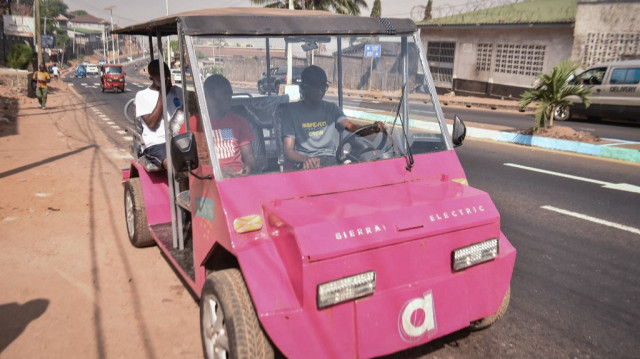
427 81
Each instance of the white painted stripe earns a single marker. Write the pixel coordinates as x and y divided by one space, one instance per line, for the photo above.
107 119
593 219
128 138
84 84
110 123
70 84
121 132
115 126
617 186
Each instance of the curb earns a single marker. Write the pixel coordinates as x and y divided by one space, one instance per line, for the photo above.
606 150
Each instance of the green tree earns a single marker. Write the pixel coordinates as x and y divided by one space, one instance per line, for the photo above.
551 92
427 10
49 9
78 12
20 56
350 7
376 11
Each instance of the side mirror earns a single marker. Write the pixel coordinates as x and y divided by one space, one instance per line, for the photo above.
184 155
459 131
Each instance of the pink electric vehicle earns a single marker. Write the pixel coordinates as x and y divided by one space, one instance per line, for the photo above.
384 248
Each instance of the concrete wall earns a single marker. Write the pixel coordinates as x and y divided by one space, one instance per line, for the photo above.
606 21
557 40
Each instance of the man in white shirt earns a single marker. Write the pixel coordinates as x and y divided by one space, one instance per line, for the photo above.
149 109
56 71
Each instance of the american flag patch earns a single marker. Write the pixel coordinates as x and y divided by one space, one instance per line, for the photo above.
226 134
225 143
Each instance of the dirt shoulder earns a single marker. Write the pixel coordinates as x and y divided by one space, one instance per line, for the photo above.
72 285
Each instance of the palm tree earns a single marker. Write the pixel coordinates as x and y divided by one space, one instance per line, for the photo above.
551 92
350 7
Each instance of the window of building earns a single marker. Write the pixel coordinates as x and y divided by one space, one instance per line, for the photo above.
483 57
603 47
440 56
520 59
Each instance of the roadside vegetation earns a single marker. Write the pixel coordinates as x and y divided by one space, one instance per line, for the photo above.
552 90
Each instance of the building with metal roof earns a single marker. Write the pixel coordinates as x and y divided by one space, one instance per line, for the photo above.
500 51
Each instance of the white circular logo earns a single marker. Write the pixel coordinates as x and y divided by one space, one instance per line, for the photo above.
416 318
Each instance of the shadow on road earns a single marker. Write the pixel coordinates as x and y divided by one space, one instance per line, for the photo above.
14 319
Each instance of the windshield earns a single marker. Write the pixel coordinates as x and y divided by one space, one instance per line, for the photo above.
284 125
114 70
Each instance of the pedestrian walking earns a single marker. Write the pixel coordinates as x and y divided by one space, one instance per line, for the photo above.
42 79
56 71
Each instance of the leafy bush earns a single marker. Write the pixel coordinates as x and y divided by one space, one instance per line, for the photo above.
20 56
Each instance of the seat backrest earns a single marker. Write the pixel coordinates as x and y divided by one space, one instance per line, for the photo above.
258 144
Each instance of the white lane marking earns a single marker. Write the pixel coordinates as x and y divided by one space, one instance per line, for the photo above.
110 123
84 84
617 186
121 132
70 84
115 126
593 219
107 119
128 138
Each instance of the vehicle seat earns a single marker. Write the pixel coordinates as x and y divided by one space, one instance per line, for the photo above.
257 145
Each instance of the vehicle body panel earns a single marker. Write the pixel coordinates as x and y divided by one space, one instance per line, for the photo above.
92 69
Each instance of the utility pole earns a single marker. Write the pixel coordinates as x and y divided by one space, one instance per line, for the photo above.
38 37
113 47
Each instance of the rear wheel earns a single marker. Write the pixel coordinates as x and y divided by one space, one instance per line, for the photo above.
228 323
561 113
135 214
488 321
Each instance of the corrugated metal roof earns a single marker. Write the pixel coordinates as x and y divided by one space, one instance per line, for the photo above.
521 13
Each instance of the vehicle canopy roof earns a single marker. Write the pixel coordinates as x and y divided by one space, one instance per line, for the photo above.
269 22
621 63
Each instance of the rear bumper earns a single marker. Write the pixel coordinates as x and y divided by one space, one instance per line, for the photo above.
412 279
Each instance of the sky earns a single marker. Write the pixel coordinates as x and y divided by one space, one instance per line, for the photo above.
127 12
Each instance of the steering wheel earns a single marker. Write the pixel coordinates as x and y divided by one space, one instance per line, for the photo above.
366 146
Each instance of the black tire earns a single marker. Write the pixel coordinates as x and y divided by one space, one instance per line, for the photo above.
227 318
561 113
135 215
488 321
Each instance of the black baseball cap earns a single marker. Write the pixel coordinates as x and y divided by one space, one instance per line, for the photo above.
314 76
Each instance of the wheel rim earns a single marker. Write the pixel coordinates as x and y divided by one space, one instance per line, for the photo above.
129 213
560 112
214 331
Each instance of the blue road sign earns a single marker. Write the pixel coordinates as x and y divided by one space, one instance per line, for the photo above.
372 50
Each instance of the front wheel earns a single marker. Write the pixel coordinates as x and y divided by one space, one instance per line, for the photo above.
561 113
136 215
229 326
488 321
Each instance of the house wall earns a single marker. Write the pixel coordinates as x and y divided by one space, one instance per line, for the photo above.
503 76
606 31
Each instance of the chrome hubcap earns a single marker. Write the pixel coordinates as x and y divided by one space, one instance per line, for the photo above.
214 331
129 213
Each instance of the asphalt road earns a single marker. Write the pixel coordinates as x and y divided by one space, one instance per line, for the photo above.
575 222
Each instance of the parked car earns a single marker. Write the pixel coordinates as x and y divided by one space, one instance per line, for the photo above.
176 76
278 76
81 71
101 62
615 92
112 78
92 69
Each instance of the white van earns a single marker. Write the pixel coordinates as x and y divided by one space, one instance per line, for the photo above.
615 92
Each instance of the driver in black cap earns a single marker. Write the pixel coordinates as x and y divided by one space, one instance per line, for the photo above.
310 128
